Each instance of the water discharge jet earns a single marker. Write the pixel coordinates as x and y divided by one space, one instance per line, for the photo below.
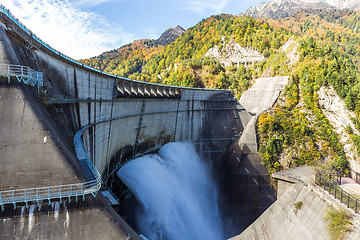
177 195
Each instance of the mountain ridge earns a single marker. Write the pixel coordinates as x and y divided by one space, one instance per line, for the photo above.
278 9
166 38
316 48
170 35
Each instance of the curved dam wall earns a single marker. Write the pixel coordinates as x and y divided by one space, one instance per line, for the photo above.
124 119
130 125
130 117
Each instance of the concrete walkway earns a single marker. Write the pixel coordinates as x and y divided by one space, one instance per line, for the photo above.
350 186
300 210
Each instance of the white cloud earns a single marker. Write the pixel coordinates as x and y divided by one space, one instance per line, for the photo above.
89 3
76 33
200 6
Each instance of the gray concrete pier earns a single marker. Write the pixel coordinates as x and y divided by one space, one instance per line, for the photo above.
120 119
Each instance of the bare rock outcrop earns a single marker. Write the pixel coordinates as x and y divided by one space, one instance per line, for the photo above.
170 35
290 49
286 8
340 117
233 53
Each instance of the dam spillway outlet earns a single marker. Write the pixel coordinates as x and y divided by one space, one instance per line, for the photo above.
176 195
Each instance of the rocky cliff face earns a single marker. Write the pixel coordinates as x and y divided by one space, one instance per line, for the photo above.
286 8
340 117
170 35
290 49
232 52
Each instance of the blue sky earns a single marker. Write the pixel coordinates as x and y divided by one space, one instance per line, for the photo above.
86 28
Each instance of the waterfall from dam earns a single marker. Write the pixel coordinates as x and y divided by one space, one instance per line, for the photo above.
177 195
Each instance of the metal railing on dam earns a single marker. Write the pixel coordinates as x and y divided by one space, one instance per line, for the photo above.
23 74
334 189
92 186
126 87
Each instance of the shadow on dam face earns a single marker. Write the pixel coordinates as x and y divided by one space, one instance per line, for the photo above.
243 186
202 116
176 192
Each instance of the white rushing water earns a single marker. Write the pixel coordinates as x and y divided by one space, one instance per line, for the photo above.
177 194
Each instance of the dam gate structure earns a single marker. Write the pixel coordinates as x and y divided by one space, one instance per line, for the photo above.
66 128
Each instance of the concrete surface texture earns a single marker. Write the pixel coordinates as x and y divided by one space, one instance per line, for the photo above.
137 124
263 94
36 136
32 150
248 190
260 97
82 220
248 140
245 191
7 53
283 221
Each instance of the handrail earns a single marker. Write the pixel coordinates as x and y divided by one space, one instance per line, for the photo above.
48 47
89 187
60 191
22 73
31 77
333 188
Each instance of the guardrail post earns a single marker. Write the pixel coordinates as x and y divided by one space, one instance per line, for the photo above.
71 193
60 193
37 197
49 196
348 200
13 197
341 196
26 203
82 190
355 205
8 73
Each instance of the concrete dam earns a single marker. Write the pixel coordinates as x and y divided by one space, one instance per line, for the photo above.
66 128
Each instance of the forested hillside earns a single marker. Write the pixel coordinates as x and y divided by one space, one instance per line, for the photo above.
295 132
183 63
